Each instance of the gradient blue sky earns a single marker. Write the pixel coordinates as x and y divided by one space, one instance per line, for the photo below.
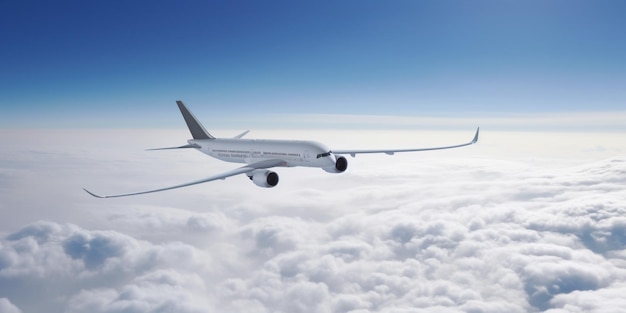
124 63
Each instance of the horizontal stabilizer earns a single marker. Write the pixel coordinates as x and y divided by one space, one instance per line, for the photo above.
241 135
193 145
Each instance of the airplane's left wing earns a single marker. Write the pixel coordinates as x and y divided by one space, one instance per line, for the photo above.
392 151
244 169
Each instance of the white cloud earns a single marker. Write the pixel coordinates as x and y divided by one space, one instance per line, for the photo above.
7 307
456 232
67 265
158 291
602 300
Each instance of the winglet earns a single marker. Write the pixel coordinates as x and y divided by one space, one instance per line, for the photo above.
93 194
196 129
475 140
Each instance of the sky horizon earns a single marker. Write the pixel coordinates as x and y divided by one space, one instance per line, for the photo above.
78 64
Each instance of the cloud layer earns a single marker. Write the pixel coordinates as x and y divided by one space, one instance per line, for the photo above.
474 234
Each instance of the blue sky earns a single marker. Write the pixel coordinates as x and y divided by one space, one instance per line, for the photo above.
124 63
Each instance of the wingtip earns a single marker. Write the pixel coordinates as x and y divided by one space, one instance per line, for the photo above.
475 140
93 194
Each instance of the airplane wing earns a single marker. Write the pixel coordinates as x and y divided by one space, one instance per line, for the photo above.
244 169
392 151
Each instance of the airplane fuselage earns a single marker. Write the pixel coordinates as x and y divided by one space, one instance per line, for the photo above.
293 152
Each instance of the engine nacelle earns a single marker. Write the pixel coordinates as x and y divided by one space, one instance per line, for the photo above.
264 178
340 166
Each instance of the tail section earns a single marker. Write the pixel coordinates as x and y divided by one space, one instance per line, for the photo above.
196 129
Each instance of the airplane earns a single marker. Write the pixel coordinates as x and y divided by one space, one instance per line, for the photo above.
261 155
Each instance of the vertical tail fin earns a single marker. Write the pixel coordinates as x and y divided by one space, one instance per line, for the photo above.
196 129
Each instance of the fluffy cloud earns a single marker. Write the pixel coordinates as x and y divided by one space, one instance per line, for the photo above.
73 269
7 307
451 235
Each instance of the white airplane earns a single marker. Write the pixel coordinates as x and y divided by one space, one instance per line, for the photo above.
262 155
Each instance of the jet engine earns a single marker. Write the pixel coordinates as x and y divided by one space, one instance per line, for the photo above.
340 166
264 178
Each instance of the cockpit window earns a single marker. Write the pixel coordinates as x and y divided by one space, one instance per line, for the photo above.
325 154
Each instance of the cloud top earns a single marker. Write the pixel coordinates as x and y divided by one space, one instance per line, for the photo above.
450 235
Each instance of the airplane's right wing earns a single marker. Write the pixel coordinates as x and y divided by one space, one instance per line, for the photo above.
244 169
392 151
